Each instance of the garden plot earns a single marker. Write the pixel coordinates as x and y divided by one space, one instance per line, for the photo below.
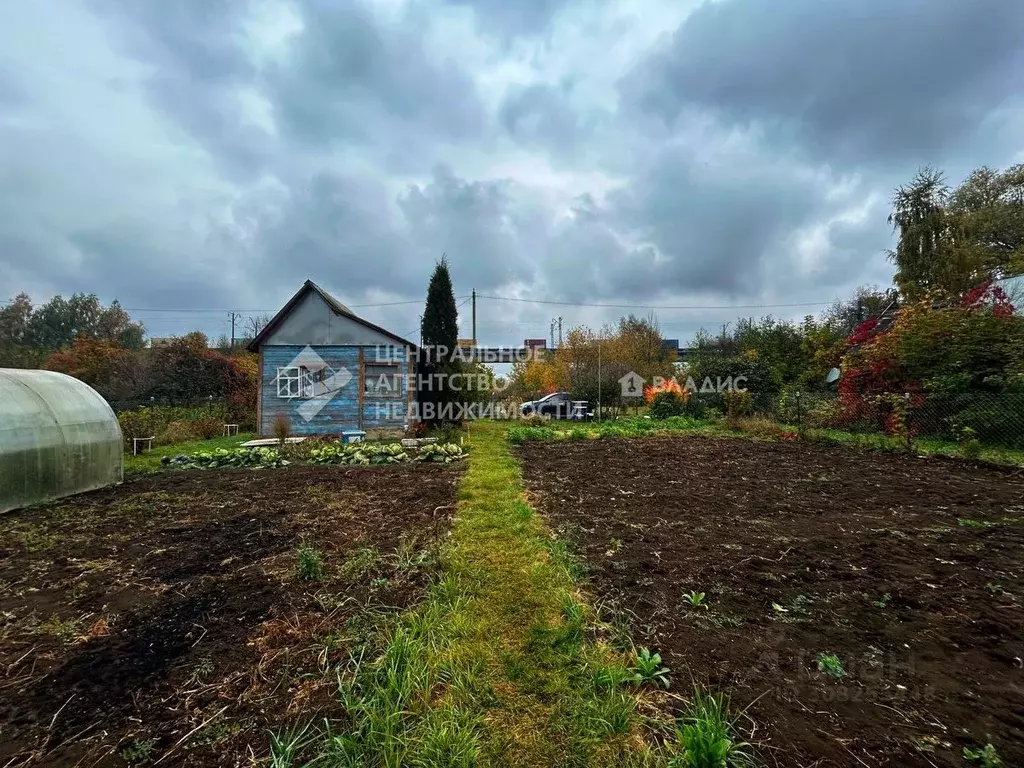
868 608
180 616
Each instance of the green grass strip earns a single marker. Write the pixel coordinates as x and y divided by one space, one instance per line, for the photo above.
501 664
497 666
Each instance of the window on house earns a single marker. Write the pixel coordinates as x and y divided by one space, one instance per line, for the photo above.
299 381
289 381
380 380
313 382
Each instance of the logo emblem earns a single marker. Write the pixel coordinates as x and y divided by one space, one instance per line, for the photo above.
310 379
632 385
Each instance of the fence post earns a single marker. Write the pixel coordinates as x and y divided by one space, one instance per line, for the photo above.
799 415
906 422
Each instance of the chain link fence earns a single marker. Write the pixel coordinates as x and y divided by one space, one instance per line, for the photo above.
993 419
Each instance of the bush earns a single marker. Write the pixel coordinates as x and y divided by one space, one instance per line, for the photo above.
667 404
137 423
282 428
208 428
737 403
177 432
170 423
447 433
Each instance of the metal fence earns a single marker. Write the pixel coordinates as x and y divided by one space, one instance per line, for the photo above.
995 419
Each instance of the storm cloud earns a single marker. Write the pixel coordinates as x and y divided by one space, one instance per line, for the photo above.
202 154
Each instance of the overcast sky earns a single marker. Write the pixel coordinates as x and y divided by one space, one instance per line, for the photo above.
213 154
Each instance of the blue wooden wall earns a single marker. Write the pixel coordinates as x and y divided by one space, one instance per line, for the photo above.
342 410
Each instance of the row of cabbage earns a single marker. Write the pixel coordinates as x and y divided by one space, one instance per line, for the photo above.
356 454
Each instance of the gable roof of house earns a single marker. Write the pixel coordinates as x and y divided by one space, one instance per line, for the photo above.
310 287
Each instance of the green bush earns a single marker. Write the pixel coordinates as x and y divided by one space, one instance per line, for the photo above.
170 423
137 423
666 405
737 403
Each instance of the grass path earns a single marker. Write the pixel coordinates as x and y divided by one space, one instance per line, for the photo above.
498 666
523 621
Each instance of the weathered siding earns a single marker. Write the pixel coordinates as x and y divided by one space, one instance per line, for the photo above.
347 408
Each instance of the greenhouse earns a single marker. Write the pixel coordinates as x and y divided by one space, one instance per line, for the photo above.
57 437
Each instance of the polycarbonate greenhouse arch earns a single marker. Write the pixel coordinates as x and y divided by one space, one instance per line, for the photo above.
58 437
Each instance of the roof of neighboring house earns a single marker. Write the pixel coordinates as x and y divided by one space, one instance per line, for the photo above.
308 287
1013 286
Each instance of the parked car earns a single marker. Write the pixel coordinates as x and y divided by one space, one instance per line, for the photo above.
557 405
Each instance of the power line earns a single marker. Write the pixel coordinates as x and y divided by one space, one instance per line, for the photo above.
655 306
275 309
350 306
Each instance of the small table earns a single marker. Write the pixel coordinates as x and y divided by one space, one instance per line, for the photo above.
145 442
230 430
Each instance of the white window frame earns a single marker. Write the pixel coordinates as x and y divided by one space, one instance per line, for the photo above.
289 382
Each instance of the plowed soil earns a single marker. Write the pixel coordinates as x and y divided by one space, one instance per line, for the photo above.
165 620
909 570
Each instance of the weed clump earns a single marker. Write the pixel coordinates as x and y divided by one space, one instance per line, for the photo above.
831 665
705 736
311 564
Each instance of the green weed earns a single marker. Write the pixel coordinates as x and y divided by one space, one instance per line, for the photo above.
286 745
138 751
705 736
63 629
696 599
311 564
360 563
986 756
647 668
202 669
831 665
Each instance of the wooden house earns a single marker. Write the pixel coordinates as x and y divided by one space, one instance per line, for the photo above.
329 371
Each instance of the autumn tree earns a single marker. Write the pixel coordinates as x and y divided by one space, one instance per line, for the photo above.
104 365
950 241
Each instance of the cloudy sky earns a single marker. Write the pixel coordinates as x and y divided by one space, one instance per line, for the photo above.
212 154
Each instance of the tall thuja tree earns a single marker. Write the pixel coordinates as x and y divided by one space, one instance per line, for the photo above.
439 335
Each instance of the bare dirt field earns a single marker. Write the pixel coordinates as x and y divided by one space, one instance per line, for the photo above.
872 604
167 621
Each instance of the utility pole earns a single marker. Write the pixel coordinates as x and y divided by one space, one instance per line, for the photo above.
551 329
559 332
474 317
234 317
